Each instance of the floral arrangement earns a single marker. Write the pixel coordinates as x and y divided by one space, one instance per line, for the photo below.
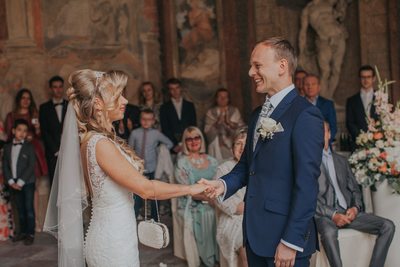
378 155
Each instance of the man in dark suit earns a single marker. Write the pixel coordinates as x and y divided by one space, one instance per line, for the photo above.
312 88
280 164
130 122
339 206
18 169
51 117
361 105
177 114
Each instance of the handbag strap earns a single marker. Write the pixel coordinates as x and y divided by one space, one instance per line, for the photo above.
155 199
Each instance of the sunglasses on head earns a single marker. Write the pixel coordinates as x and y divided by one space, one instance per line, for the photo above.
192 139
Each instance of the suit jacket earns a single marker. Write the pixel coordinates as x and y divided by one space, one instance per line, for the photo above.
25 164
281 178
171 125
327 205
356 119
51 127
327 108
132 112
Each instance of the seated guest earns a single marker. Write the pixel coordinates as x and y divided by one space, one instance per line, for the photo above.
124 127
221 122
199 217
339 206
360 106
299 80
149 98
312 88
145 140
177 114
18 169
229 226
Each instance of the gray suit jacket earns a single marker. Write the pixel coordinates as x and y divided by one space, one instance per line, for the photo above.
326 205
25 163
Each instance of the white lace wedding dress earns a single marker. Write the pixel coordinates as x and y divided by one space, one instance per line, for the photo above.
111 239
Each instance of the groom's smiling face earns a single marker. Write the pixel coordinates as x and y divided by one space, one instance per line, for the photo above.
264 68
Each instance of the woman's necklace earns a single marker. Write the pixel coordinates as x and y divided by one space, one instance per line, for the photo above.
199 161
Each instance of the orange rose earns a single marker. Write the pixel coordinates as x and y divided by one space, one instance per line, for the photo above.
383 155
383 168
378 135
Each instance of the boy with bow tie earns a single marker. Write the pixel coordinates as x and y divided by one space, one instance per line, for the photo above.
18 169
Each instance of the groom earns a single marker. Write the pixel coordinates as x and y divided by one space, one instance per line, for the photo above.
280 165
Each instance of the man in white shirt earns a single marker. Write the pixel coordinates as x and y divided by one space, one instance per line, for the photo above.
360 106
51 116
340 206
177 114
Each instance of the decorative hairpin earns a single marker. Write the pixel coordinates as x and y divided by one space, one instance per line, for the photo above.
98 74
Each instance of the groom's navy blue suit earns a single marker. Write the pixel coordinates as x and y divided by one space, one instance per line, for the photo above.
281 178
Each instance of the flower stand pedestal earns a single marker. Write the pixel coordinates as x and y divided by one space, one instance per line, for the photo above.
387 205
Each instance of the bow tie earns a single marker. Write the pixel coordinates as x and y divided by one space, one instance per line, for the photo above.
18 144
57 104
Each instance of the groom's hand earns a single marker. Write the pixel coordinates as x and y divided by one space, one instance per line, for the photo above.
284 256
218 186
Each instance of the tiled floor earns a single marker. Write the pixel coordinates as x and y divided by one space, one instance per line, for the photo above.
43 253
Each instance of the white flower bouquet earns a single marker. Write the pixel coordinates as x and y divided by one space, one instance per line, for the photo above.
378 154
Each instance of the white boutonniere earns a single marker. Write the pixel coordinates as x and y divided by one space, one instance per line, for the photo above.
268 128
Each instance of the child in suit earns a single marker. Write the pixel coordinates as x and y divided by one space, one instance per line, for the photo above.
18 169
144 141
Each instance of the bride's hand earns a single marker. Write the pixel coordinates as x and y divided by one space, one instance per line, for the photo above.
196 189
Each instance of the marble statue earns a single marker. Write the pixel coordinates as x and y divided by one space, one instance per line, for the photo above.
326 18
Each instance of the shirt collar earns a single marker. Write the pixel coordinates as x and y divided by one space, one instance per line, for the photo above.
57 102
177 101
15 141
327 153
367 92
277 98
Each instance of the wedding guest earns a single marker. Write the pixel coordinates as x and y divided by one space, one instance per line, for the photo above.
25 108
51 118
339 206
177 114
360 106
145 140
6 222
312 88
130 122
149 98
229 224
199 217
221 122
18 168
299 75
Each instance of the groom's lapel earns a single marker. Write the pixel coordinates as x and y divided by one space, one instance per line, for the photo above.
276 114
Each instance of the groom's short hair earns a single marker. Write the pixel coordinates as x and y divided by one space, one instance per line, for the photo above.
283 49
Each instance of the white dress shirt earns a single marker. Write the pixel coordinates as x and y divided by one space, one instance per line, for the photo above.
366 97
58 107
178 106
15 150
327 160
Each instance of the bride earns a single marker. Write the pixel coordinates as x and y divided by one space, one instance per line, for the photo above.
94 163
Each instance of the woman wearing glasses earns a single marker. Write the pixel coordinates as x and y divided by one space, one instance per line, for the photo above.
198 215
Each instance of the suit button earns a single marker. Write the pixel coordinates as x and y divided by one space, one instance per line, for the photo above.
252 173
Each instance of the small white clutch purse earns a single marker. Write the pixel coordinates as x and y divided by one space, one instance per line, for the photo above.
151 233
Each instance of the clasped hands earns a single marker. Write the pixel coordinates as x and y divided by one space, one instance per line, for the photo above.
343 219
214 188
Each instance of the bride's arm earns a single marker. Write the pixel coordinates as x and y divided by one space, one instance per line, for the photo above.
115 165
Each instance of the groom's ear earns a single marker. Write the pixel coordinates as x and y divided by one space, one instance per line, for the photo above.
283 66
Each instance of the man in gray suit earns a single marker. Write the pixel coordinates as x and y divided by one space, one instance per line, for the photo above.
339 206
